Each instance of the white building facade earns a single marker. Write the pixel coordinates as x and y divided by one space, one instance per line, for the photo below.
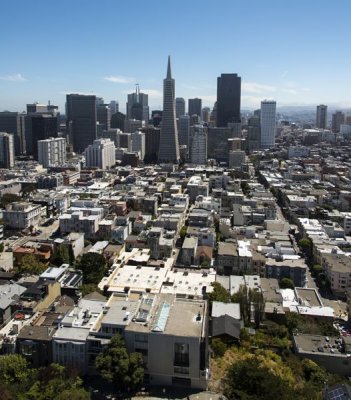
100 154
52 151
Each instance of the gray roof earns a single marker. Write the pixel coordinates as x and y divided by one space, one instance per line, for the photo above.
231 309
9 292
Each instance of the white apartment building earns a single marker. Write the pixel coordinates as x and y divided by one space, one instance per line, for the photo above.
80 221
268 126
138 143
52 151
22 215
100 154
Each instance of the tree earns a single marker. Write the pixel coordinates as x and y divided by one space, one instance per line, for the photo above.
259 376
182 232
29 265
13 369
305 245
53 382
258 303
117 366
93 266
1 247
317 269
219 293
60 256
9 198
73 394
218 347
287 283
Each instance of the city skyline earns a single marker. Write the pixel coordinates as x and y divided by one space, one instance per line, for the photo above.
278 51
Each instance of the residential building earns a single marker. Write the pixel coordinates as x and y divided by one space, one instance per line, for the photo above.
338 118
138 143
100 154
22 215
52 151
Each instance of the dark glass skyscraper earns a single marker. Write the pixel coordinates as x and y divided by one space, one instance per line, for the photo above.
228 99
81 120
169 147
194 107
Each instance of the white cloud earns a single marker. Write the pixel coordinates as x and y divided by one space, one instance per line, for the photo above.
79 92
119 79
253 87
13 78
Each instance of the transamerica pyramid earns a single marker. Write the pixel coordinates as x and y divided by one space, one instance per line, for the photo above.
169 146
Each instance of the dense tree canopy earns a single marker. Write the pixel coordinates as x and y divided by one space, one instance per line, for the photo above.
29 265
60 256
93 266
117 366
219 293
55 382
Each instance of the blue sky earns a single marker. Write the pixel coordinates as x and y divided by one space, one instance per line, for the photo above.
296 52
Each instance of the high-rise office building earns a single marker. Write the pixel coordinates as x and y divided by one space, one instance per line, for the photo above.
267 123
321 116
39 127
138 106
205 114
138 143
114 106
103 116
198 144
13 122
118 121
152 144
194 107
183 130
169 146
52 152
180 107
81 120
100 154
7 150
338 118
253 132
228 99
36 108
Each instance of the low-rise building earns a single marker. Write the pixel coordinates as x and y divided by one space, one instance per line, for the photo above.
22 215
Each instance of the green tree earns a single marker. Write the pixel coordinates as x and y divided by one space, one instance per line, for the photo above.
115 365
13 369
73 394
53 381
87 288
1 247
182 232
93 266
60 256
29 265
287 283
258 302
218 347
305 245
258 377
219 293
317 269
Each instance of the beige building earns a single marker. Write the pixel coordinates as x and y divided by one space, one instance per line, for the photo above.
338 270
175 353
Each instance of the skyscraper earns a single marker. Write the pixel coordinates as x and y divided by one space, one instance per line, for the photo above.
267 122
169 147
338 118
39 126
7 150
81 120
321 117
228 99
138 105
194 107
13 122
180 107
198 144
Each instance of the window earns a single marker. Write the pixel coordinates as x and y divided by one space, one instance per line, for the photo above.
181 370
181 354
141 338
